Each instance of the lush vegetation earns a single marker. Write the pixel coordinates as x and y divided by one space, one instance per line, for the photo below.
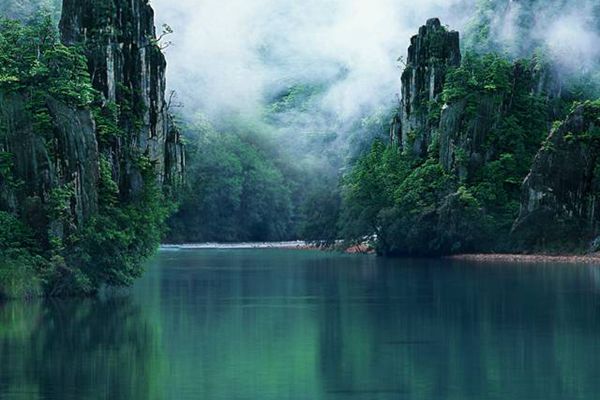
468 202
275 177
290 171
234 192
46 252
460 197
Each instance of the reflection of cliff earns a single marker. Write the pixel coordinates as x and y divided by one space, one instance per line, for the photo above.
426 331
80 349
274 325
323 326
238 327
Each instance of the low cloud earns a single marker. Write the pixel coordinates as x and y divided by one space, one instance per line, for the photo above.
229 55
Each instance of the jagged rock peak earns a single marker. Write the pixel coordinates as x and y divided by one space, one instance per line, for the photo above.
128 67
431 52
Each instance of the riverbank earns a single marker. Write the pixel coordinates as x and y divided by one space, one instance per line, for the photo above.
593 258
237 246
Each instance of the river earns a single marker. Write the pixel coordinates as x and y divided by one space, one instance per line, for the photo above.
275 324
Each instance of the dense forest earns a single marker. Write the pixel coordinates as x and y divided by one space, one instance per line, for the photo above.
254 180
490 145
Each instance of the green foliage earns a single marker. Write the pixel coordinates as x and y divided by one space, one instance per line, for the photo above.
19 276
272 177
107 122
111 248
6 169
423 189
59 203
297 98
370 188
21 265
419 206
235 193
477 76
320 213
33 60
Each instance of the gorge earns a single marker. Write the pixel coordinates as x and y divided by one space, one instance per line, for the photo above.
483 152
184 232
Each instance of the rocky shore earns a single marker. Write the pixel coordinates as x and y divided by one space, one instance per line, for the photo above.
593 258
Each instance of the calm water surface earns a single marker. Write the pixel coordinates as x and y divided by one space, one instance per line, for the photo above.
280 324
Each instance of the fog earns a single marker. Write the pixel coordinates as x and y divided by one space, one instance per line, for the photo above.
569 31
230 56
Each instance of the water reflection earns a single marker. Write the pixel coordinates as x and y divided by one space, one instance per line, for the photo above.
321 326
276 324
78 349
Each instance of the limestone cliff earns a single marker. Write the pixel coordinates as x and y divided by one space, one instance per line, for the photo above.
88 148
432 51
128 68
65 156
469 127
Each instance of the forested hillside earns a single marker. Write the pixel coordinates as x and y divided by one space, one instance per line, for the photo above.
440 170
274 176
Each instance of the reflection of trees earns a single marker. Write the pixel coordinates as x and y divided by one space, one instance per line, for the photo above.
328 327
238 327
79 349
278 325
429 331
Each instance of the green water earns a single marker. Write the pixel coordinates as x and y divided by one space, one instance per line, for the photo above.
280 324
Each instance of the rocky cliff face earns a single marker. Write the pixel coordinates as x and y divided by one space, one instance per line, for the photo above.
560 194
64 158
128 68
85 159
470 127
431 53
